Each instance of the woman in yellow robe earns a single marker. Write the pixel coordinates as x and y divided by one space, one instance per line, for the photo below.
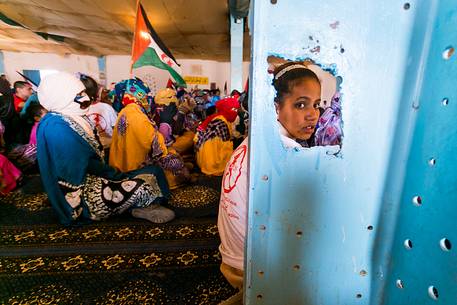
213 142
137 142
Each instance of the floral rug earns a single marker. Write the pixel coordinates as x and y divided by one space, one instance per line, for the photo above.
119 261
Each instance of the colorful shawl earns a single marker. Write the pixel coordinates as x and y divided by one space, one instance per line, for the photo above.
227 107
329 128
131 91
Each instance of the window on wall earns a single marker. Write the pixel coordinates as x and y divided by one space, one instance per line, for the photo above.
37 75
33 75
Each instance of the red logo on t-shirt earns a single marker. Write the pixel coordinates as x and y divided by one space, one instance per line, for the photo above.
233 171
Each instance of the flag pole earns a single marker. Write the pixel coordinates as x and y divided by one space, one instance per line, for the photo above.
134 37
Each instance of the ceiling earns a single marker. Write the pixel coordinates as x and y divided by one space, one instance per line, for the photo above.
197 29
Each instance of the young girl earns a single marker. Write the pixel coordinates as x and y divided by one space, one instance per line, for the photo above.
298 94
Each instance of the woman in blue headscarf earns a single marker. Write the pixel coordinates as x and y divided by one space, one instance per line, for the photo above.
80 186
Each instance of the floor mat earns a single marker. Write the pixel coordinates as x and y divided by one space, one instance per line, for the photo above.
167 286
123 260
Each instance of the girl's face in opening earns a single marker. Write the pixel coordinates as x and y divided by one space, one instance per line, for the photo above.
298 112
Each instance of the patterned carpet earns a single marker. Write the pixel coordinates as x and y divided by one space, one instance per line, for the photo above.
120 261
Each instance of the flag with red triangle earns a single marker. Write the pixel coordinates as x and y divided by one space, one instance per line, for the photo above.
149 50
170 84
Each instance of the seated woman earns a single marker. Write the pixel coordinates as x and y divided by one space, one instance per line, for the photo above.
9 174
80 186
25 155
298 95
213 141
136 140
329 129
175 120
166 111
185 126
240 128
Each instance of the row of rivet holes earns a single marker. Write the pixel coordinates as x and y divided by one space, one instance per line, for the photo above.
447 54
445 244
432 291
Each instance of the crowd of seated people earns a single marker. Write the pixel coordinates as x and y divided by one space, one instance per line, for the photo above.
105 152
102 152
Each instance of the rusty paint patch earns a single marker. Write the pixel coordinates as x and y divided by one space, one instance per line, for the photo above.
335 25
316 49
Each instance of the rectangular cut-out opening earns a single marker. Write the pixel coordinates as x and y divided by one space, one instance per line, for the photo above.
307 101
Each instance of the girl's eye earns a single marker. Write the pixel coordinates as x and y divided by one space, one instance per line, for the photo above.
316 106
300 105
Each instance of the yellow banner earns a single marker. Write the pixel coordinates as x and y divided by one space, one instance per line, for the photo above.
196 80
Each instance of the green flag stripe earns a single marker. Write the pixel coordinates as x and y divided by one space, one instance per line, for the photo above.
150 58
9 21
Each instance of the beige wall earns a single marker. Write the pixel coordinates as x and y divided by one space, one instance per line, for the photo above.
18 61
117 68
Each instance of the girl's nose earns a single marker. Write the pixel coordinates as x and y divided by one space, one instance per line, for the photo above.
312 115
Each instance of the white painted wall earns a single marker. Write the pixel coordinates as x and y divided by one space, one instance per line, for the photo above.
117 68
18 61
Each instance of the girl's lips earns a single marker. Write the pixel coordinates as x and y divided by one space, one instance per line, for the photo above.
309 129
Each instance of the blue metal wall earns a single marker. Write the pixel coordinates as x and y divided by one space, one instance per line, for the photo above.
326 229
420 266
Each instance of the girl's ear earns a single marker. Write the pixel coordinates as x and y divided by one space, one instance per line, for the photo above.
277 107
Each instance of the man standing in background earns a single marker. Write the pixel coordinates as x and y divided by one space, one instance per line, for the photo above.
22 91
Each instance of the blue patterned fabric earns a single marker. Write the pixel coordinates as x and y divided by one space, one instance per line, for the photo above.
80 186
122 125
134 87
172 163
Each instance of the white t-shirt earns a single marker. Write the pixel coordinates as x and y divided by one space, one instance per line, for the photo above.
233 206
103 116
286 138
232 219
